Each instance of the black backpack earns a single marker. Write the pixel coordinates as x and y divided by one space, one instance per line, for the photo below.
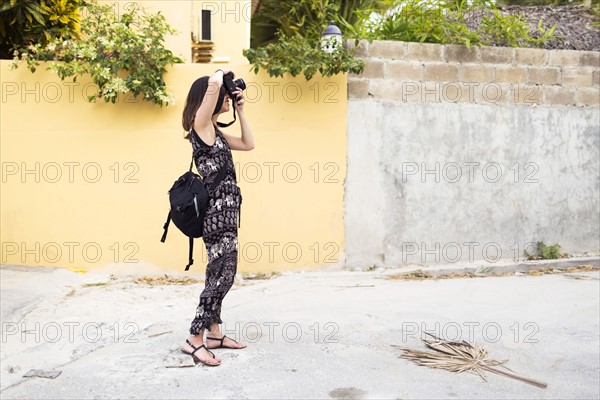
189 201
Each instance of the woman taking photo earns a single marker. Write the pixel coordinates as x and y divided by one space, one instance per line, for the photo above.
212 151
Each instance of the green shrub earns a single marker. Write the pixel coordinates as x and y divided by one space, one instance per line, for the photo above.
291 17
297 54
446 22
122 54
595 12
298 45
25 22
512 31
544 252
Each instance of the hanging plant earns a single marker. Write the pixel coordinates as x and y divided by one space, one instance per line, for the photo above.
122 54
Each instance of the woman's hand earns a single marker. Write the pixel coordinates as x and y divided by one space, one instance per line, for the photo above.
224 70
246 141
239 100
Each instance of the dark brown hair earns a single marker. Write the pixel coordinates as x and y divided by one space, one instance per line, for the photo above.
193 102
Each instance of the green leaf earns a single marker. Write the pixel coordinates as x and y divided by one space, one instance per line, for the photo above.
7 6
114 55
35 12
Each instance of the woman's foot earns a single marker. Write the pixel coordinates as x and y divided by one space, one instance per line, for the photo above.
202 354
217 340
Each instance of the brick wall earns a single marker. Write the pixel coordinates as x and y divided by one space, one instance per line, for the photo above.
426 73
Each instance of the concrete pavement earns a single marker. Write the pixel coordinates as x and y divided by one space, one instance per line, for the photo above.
322 334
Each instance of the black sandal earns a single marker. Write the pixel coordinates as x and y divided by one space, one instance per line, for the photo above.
221 346
195 350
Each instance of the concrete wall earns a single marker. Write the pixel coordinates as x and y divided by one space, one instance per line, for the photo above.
85 185
462 154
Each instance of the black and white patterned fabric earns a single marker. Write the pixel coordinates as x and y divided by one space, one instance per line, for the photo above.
220 228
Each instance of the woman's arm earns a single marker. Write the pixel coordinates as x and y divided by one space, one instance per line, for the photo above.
203 117
246 141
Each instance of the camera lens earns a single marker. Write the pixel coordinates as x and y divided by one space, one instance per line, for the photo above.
240 83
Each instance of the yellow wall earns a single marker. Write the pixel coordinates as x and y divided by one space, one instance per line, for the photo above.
62 212
231 27
230 24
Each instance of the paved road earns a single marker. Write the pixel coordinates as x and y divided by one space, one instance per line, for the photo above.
310 335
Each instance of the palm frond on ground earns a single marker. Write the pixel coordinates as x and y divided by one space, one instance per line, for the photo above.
460 357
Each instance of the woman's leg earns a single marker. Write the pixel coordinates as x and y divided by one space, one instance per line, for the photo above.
226 262
205 314
202 354
220 275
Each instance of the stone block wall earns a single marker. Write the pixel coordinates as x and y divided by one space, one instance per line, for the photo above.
427 73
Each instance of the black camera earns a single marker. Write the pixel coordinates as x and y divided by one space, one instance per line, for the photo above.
229 85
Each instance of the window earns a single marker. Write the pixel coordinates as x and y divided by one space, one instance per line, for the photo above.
205 24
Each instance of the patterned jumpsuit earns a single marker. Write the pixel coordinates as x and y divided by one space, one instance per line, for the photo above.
220 228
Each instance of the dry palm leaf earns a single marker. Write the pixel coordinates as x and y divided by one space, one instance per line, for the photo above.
460 357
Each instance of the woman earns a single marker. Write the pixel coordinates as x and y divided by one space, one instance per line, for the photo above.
212 151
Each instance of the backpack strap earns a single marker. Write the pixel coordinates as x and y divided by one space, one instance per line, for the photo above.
166 227
220 174
191 254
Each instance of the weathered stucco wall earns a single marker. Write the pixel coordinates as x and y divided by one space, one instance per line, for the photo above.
458 154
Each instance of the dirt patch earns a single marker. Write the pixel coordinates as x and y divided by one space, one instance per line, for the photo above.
347 393
165 280
419 274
